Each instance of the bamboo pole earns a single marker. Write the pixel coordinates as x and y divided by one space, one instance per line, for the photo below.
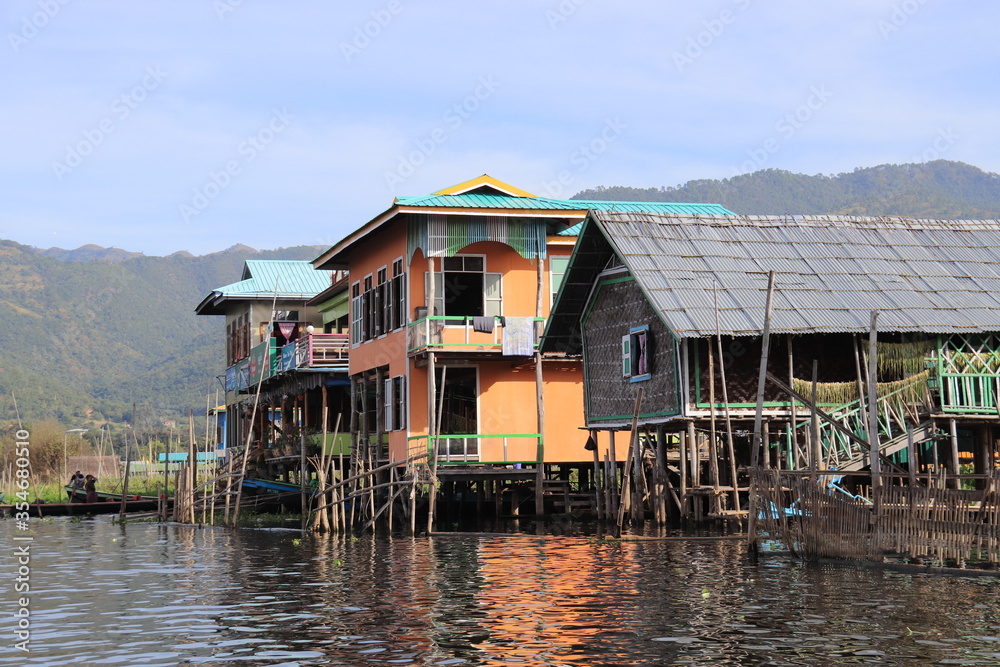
539 389
873 438
713 453
192 467
256 403
814 443
793 410
765 344
431 401
730 447
634 435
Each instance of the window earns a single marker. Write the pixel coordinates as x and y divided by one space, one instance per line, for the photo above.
398 295
463 288
394 411
381 303
557 270
637 354
378 304
356 318
367 310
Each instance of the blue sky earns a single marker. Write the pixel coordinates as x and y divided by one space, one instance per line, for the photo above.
168 125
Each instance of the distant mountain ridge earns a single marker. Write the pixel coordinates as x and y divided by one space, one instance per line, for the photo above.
95 253
939 189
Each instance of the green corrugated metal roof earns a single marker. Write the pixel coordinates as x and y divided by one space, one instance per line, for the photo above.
291 279
545 203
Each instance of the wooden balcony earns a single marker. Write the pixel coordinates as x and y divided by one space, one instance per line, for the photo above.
444 333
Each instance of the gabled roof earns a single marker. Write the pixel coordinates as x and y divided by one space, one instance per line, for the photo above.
487 195
262 279
930 276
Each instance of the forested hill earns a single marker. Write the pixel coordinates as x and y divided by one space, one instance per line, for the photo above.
88 331
938 189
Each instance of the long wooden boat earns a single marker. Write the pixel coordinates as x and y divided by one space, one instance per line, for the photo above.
80 496
83 508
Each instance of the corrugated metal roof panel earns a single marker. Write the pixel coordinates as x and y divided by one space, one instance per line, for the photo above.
832 270
289 278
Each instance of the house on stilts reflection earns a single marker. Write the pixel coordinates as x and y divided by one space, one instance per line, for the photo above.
667 313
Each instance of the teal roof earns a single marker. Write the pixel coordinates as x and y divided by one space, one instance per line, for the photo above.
544 203
263 278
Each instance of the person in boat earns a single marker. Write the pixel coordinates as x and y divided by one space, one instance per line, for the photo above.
90 486
77 480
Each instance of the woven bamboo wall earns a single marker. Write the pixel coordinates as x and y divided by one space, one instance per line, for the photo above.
617 308
742 363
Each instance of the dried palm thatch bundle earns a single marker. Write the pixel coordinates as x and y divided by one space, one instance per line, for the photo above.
909 390
903 359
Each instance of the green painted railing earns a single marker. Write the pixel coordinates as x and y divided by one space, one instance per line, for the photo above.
837 449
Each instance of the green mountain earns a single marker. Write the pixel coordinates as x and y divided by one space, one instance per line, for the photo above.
90 331
938 189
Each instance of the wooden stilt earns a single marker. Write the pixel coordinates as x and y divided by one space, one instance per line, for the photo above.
757 444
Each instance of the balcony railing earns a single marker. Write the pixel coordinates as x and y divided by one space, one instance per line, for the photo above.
499 449
326 351
458 333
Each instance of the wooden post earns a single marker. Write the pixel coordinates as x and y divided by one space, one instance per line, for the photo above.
192 468
757 444
713 454
953 454
911 456
793 411
730 448
682 464
128 464
862 404
539 387
661 474
431 403
815 446
613 486
597 477
873 439
630 457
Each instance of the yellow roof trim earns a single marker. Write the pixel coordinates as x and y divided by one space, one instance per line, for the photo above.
487 180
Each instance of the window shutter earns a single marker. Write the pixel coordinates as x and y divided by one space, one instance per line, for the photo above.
492 295
387 404
627 355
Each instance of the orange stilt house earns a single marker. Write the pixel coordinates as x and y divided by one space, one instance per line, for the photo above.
449 293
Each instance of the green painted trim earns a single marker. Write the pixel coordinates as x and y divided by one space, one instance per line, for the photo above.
643 415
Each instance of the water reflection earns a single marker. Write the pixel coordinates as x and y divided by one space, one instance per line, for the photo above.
145 594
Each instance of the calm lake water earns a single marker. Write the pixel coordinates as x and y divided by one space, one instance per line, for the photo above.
143 594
